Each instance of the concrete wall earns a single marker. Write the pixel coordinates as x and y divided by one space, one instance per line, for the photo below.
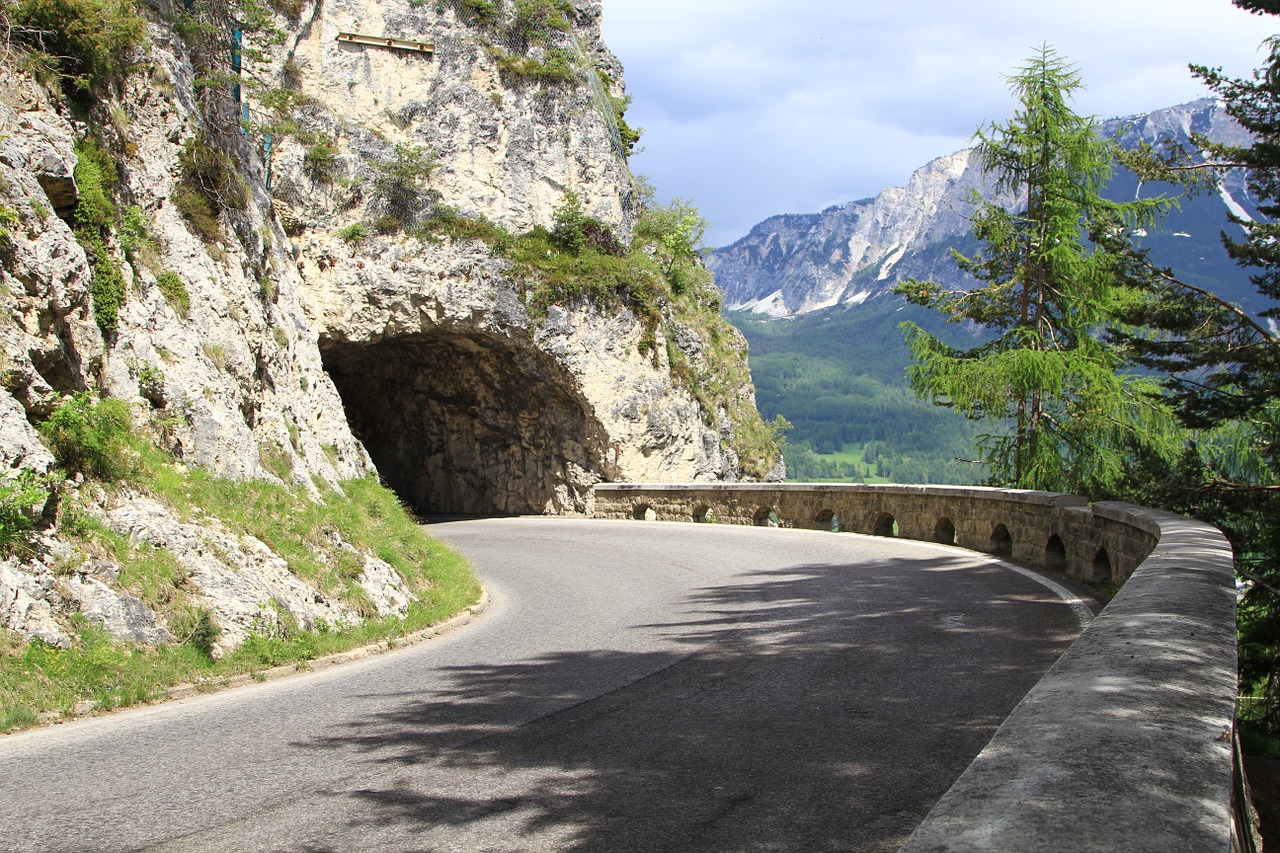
1125 744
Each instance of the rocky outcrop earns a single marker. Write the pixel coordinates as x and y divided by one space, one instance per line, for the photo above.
465 402
302 350
505 149
470 405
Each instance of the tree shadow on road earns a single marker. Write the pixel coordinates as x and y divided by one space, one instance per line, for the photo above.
804 708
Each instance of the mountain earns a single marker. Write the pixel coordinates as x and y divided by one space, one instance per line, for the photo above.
794 264
813 295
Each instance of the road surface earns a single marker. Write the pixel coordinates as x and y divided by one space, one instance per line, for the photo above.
633 686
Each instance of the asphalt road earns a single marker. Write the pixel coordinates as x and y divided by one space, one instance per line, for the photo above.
632 687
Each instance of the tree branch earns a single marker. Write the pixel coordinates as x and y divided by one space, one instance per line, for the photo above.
1256 579
1240 313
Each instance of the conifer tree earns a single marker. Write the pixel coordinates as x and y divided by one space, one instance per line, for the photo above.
1222 368
1062 415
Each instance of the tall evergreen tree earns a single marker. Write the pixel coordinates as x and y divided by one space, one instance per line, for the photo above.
1063 415
1223 370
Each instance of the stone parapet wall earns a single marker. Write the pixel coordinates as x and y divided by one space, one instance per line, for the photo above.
1094 545
1126 743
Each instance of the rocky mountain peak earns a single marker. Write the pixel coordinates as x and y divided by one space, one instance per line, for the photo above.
799 263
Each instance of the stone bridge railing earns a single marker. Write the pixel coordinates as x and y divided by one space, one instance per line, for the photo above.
1126 743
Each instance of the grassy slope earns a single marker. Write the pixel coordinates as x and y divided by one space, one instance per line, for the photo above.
39 681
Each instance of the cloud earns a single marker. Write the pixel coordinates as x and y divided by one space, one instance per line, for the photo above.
757 107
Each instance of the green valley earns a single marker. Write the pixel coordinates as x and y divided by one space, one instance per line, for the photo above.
839 377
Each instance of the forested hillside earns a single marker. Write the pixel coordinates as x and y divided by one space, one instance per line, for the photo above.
839 377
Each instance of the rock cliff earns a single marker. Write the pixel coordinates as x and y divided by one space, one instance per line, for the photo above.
283 311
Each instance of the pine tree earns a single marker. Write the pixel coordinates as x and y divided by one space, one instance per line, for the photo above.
1063 414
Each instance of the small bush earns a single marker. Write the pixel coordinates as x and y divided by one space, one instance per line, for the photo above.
570 231
9 220
575 231
354 234
88 43
151 384
446 222
90 437
96 175
108 289
197 628
535 18
175 292
485 13
559 67
209 185
320 159
630 135
198 212
388 224
139 244
19 494
398 187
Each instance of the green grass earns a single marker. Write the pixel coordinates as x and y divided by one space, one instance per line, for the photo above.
38 681
846 465
368 516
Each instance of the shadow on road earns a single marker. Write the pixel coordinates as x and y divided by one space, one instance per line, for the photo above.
807 708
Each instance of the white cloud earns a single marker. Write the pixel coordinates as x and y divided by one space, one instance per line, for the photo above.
757 107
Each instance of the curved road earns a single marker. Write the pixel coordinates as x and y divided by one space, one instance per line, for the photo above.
631 687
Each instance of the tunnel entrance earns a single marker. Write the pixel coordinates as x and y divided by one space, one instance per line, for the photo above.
470 422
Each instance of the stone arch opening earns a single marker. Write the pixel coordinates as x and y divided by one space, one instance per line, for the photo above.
944 531
1101 571
1055 554
766 516
1001 542
827 520
886 525
468 421
644 512
702 513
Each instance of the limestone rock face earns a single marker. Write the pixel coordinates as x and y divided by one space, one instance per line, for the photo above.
28 597
464 401
296 350
247 586
501 148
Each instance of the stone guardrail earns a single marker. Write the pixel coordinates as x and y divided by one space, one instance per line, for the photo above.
1126 743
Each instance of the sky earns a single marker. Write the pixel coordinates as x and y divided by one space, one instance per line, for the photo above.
756 107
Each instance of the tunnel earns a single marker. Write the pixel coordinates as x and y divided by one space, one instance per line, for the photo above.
470 422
